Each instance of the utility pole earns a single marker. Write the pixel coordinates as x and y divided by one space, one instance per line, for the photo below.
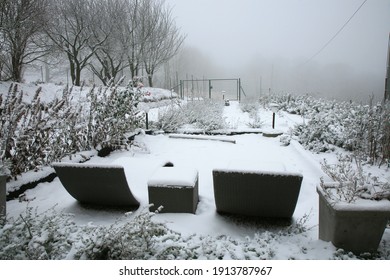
387 80
261 85
210 88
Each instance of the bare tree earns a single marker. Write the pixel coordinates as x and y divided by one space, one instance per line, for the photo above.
130 28
137 33
140 35
76 30
111 57
108 36
163 38
21 35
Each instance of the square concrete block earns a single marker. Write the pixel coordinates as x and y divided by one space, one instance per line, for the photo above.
174 188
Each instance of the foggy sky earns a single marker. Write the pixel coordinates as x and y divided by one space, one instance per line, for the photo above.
269 43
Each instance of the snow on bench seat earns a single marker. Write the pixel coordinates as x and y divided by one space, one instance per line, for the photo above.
174 177
174 188
259 167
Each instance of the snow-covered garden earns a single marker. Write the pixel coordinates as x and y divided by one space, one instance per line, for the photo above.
105 126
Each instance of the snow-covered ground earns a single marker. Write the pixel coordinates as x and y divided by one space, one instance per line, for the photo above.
203 155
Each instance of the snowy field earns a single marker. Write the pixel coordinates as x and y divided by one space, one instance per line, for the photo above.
204 155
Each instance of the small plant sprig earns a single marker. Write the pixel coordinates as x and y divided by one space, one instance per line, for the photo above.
351 182
4 165
256 121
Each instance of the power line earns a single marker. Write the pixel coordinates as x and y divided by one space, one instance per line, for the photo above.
335 35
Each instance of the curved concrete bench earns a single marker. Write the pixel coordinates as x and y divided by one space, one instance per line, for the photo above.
255 192
96 185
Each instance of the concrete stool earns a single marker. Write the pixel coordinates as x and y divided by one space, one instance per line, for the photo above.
174 188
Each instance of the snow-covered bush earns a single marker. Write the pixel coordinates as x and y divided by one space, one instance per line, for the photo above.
25 130
255 122
35 134
285 140
3 169
376 139
170 118
364 129
112 113
250 105
320 133
37 236
304 105
206 115
53 235
139 238
351 181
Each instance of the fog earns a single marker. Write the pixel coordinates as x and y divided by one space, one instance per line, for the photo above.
273 45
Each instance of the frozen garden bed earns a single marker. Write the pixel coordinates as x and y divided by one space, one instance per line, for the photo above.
84 232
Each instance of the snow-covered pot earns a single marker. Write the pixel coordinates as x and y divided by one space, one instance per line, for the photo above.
2 195
357 227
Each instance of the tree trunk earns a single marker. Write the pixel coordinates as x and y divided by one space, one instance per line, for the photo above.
71 68
16 68
75 72
150 80
77 75
150 75
133 70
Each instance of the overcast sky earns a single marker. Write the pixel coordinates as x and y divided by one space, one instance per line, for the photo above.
234 33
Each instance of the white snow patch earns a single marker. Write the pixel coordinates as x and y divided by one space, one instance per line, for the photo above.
259 167
174 177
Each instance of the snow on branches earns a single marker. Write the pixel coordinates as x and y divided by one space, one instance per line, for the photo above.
34 134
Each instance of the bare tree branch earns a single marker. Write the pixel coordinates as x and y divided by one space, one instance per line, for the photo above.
75 31
164 40
22 25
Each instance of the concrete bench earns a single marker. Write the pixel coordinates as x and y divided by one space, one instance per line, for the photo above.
96 184
174 188
267 191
